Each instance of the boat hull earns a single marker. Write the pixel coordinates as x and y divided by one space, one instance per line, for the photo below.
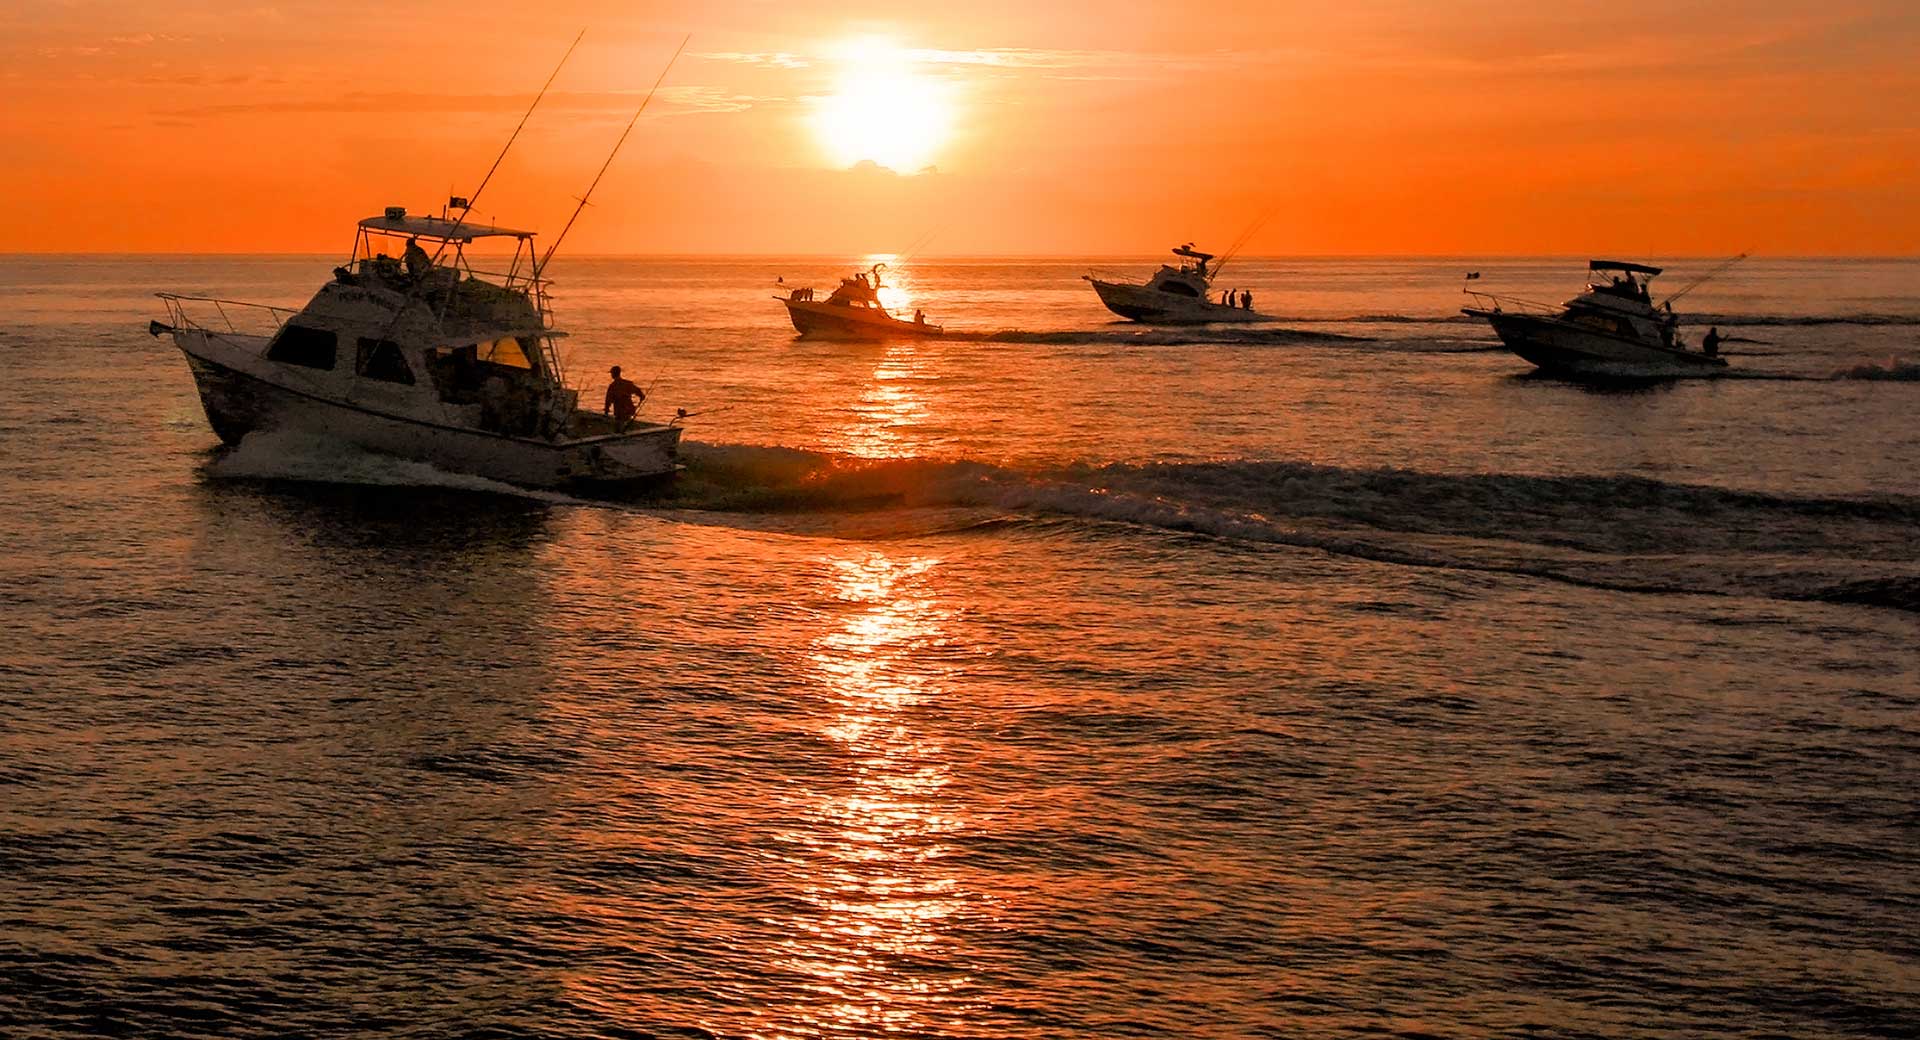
1153 307
1564 348
239 402
832 321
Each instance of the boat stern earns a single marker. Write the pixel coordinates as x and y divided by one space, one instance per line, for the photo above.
636 456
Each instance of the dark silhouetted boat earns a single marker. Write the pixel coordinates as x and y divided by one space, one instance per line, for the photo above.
852 311
1612 330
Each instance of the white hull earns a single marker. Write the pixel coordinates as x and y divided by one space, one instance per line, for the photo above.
1154 307
242 392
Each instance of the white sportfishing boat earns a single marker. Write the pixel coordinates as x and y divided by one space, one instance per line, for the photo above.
853 311
1180 295
416 354
1612 330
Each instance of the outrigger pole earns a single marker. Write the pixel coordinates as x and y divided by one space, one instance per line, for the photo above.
542 265
467 203
1703 279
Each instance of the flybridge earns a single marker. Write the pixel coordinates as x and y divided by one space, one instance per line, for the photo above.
1622 265
439 229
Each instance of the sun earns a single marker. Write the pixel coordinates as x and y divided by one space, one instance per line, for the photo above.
883 109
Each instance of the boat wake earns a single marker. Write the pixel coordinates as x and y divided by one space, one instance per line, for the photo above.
1620 533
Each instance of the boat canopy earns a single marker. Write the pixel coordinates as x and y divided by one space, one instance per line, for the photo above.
396 221
1188 250
1622 265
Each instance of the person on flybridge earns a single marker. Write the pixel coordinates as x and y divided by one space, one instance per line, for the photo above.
416 258
623 399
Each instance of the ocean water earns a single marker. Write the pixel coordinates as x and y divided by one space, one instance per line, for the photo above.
1057 678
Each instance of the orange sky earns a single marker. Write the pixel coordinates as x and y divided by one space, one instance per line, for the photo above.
1371 126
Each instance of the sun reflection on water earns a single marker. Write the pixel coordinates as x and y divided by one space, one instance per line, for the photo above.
892 406
873 838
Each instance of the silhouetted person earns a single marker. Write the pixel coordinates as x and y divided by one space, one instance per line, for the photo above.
623 399
1711 344
919 316
417 260
1246 300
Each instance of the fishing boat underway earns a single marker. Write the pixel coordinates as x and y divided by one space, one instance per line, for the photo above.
416 355
1613 329
1176 295
853 311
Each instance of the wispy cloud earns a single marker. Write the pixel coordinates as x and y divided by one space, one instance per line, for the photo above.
1046 63
668 101
762 59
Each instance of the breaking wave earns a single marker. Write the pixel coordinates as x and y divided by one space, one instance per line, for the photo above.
1895 370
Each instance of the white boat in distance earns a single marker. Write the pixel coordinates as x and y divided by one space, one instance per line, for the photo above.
1174 295
1612 330
421 358
853 311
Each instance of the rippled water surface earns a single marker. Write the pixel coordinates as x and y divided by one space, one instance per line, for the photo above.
1056 678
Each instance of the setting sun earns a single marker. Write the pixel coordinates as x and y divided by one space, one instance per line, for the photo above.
882 109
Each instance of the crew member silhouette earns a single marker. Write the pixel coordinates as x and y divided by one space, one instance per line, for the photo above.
1711 344
623 400
417 260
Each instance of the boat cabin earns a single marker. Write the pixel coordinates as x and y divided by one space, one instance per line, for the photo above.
1190 279
410 324
862 290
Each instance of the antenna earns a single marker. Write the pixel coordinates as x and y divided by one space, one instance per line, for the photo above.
467 203
542 265
1702 280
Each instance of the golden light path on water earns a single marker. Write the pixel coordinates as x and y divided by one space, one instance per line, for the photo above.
893 403
878 894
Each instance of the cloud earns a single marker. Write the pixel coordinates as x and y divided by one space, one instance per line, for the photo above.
761 59
1046 63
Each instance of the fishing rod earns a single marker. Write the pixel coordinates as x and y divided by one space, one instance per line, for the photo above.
918 244
1245 237
542 265
1702 280
466 206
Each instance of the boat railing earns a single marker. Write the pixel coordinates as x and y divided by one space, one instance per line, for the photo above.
187 312
1503 303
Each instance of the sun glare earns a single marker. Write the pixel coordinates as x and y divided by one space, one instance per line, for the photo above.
882 109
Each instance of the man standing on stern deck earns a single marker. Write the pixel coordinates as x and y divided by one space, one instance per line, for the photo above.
623 400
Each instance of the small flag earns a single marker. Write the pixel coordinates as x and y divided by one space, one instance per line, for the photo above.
459 202
1471 275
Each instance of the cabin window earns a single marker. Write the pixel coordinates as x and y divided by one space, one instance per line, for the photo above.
303 346
382 359
506 351
1179 289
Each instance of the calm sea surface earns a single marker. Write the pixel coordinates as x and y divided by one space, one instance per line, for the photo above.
1060 678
